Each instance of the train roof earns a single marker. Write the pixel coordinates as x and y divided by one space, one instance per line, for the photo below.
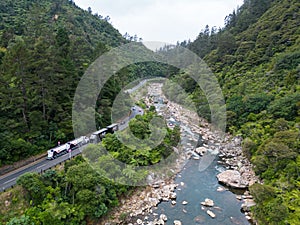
61 147
112 125
100 131
77 140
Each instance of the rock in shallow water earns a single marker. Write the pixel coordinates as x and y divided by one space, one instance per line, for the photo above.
208 202
163 217
232 178
211 214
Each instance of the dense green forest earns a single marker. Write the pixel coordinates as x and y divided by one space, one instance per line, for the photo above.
45 48
81 192
256 58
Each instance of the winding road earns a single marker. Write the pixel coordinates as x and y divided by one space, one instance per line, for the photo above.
9 180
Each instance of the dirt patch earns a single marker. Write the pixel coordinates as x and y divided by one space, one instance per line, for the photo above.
12 204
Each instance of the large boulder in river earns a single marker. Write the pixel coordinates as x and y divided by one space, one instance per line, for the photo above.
232 178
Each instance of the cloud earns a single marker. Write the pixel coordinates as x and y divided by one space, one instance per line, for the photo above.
163 20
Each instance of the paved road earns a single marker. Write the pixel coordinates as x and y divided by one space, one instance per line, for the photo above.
135 110
129 91
9 180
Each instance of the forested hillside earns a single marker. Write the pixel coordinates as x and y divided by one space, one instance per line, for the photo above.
256 58
84 189
45 46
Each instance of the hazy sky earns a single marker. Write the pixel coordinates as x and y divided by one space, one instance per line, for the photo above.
162 20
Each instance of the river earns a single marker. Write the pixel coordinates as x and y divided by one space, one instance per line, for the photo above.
196 182
200 182
197 187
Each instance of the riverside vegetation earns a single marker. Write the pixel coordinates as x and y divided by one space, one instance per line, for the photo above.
45 47
77 193
256 58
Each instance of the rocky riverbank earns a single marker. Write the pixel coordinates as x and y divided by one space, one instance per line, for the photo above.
239 173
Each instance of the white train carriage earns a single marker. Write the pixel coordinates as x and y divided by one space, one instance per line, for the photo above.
63 149
58 151
78 142
95 138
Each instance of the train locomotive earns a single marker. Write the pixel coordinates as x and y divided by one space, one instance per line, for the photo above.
95 138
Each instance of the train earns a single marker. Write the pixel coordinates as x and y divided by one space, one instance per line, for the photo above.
94 138
97 136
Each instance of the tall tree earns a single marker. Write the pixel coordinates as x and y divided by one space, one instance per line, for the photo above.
18 82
